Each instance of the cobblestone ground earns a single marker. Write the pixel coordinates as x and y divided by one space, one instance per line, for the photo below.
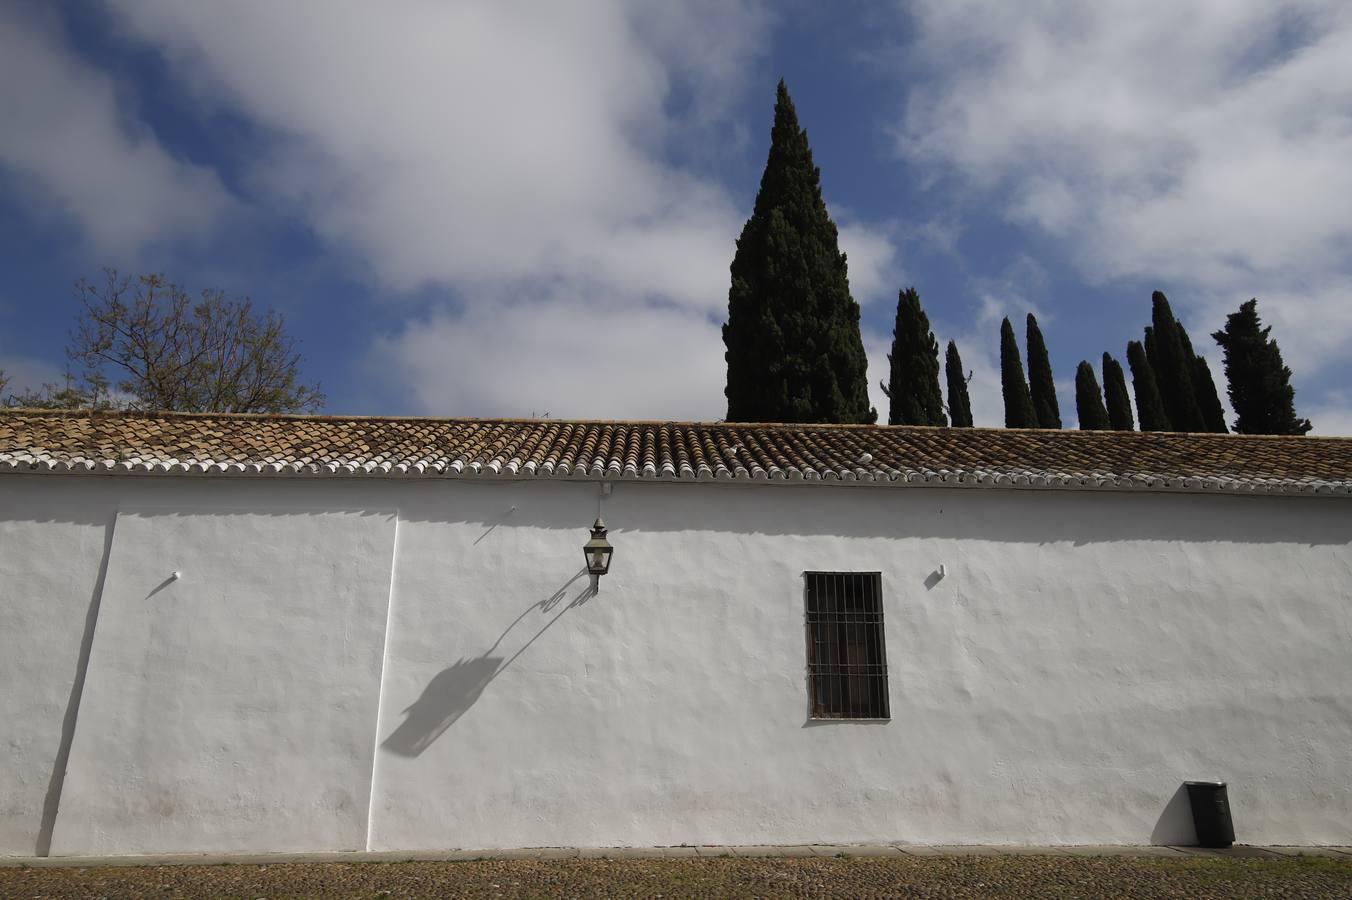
967 876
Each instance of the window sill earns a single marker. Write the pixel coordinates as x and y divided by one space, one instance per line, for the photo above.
828 719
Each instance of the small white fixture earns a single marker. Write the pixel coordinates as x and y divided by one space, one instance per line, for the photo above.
943 570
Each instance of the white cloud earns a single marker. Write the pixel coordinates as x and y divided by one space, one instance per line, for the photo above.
871 255
1332 415
517 158
565 356
876 348
475 145
74 153
1199 143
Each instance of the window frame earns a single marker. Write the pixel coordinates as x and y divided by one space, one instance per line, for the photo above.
842 621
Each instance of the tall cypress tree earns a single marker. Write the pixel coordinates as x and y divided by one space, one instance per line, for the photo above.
794 350
959 403
1149 405
1151 350
1260 383
1089 399
1207 398
1203 386
913 387
1173 366
1040 382
1115 391
1018 402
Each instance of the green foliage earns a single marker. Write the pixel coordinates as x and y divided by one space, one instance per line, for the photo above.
959 403
1172 360
1115 390
1213 414
1149 405
1089 400
794 350
1259 382
913 385
1203 387
1018 402
1041 385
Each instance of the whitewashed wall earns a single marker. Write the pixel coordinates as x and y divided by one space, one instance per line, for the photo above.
1085 654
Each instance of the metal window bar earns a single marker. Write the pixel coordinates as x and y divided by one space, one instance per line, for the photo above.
847 659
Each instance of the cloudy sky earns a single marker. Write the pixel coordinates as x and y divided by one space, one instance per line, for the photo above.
502 209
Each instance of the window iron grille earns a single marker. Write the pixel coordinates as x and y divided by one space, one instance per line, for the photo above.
846 657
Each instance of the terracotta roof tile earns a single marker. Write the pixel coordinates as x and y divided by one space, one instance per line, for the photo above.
186 443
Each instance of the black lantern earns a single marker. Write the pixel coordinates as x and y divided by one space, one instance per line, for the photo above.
598 550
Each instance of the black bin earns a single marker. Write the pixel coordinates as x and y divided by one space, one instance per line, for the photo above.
1211 813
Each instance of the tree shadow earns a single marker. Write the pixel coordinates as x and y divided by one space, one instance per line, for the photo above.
453 690
1175 826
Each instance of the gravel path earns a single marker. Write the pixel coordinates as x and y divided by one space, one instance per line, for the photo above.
956 876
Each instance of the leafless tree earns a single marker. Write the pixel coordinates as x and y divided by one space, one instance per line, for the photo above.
59 396
145 343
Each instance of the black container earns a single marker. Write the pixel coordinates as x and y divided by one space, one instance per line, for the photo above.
1211 813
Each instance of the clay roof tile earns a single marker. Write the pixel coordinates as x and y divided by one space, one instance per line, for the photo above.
187 443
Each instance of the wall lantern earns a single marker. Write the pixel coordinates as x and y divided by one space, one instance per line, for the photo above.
598 550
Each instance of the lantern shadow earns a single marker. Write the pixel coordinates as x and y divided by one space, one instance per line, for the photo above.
453 690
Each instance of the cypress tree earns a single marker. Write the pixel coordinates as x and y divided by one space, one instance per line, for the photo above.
1173 366
1089 399
1207 398
1203 386
1152 350
1259 382
1040 382
913 387
1018 402
794 350
959 403
1149 405
1115 390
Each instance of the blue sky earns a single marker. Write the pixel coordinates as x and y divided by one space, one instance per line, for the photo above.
491 209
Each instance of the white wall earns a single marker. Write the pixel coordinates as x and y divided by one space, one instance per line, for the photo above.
234 678
52 547
1085 654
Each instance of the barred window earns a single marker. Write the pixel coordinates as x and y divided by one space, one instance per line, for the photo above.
846 660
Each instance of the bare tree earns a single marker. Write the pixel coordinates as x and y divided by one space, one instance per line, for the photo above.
145 343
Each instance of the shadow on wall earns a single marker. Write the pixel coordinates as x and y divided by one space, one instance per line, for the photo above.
51 803
1175 825
453 690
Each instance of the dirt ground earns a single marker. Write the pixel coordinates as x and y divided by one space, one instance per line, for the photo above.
955 876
